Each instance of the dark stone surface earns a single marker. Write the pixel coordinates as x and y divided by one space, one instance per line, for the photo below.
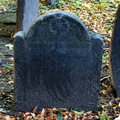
115 54
52 1
57 64
27 12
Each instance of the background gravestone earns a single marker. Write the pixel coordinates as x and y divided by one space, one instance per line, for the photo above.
27 12
57 64
52 1
115 54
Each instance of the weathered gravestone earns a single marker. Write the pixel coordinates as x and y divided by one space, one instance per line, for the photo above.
115 54
57 64
27 12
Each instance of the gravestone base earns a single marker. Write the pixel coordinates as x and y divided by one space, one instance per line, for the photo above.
43 99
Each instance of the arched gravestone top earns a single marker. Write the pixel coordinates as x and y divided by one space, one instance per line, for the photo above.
57 24
57 64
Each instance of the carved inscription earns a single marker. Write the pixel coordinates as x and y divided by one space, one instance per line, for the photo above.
59 59
59 26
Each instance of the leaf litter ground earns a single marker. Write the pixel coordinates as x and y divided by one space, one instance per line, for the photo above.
99 17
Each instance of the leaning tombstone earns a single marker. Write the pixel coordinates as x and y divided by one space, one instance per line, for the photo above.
115 54
57 64
27 12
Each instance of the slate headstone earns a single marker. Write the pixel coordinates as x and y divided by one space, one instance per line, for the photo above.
27 12
57 64
115 54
